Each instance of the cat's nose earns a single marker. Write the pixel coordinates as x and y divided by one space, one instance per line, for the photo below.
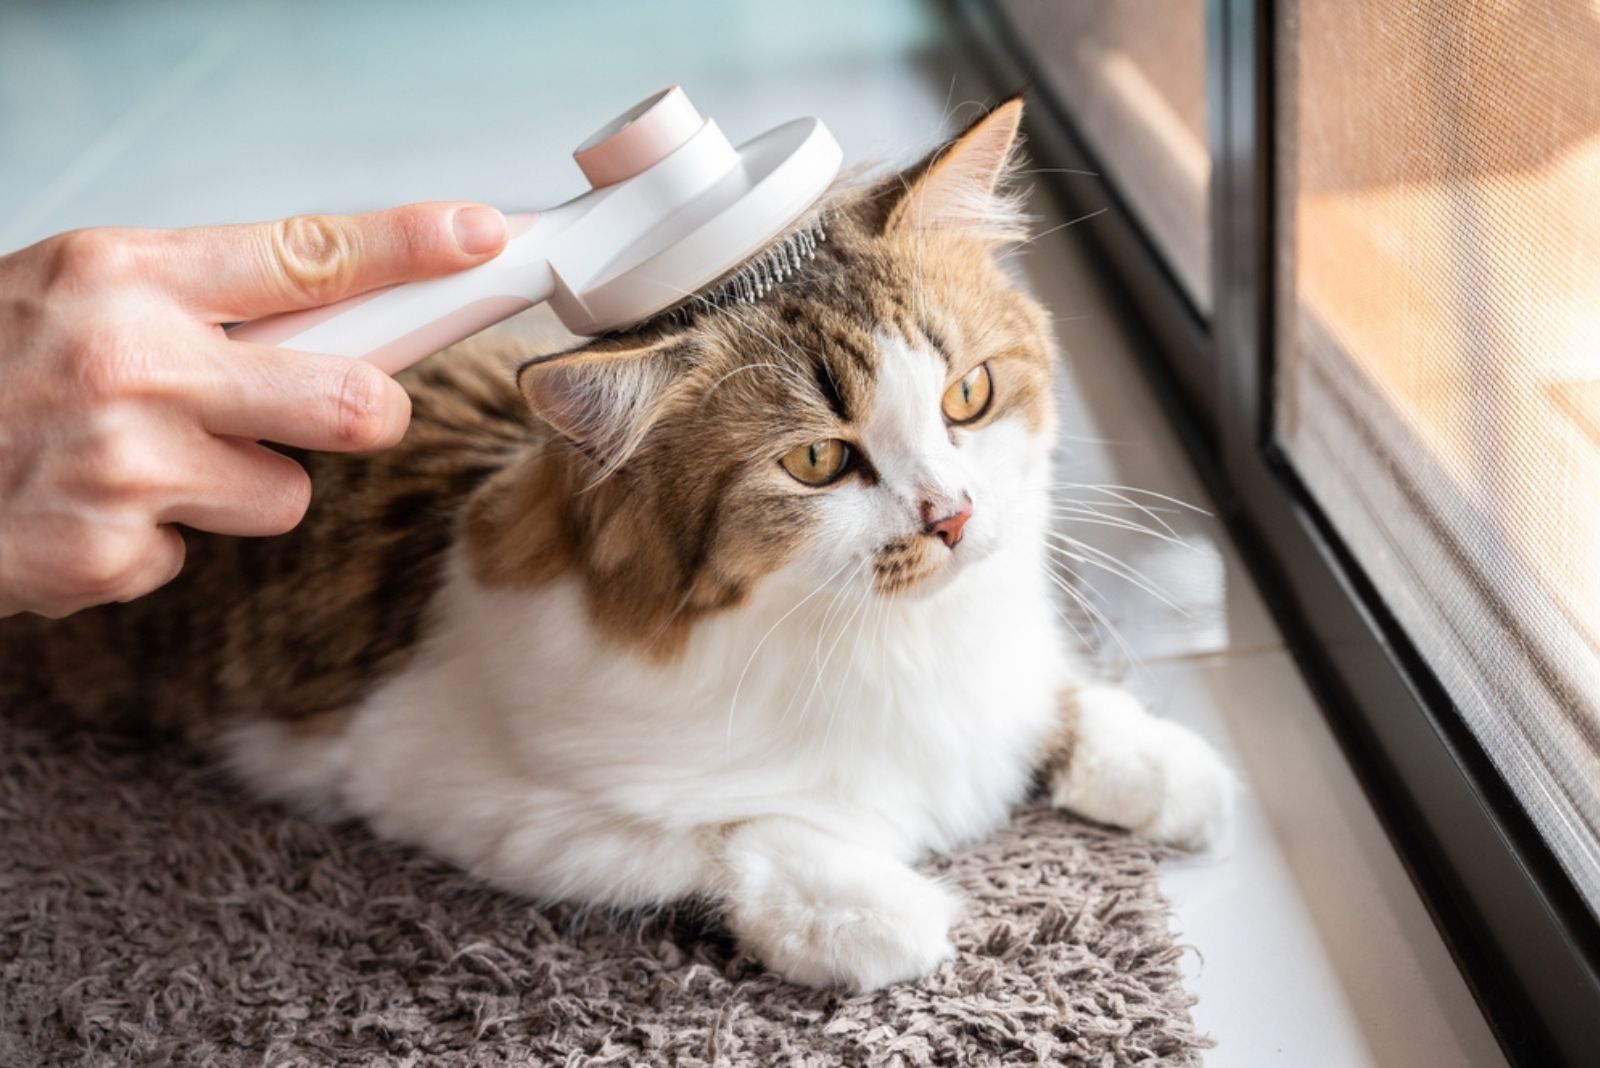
946 527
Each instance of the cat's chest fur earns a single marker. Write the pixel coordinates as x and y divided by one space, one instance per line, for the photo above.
520 739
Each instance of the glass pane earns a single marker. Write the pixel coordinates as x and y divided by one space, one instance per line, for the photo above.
1438 380
1132 73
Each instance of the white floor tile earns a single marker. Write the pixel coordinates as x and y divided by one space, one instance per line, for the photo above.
1313 948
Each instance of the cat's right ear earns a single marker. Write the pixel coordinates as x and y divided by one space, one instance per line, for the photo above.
605 396
960 187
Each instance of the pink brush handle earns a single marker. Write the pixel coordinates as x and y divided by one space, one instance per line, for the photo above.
276 329
398 325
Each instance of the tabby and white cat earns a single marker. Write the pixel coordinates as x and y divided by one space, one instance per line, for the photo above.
750 606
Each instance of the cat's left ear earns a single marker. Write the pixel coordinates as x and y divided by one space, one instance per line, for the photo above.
960 186
605 396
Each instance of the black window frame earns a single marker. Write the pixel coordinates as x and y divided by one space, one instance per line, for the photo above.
1526 943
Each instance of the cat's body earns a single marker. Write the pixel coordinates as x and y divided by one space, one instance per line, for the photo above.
618 653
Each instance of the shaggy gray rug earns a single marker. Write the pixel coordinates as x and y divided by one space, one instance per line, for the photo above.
150 915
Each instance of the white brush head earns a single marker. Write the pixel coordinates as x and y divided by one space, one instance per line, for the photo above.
673 208
682 209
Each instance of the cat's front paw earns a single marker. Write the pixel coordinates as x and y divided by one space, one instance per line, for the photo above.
1128 768
856 921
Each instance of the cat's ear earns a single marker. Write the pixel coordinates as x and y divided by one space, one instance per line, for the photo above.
605 396
961 185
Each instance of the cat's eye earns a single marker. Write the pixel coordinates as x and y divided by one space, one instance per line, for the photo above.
818 463
968 398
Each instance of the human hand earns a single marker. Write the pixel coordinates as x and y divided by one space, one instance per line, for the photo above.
125 409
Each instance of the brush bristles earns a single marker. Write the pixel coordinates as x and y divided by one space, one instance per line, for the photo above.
760 274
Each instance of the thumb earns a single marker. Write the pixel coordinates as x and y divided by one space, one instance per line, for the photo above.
235 273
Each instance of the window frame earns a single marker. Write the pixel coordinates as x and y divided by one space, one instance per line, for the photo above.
1525 941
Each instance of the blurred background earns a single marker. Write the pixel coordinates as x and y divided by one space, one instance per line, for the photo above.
176 113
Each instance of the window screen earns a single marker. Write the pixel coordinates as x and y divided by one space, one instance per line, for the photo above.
1438 370
1132 72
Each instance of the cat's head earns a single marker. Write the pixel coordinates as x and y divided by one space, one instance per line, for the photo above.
883 416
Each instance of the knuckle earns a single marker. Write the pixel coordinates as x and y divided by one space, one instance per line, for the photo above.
362 408
120 467
94 257
314 255
108 563
290 499
61 607
172 552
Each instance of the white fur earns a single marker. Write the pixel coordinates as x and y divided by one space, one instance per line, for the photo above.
1147 774
802 751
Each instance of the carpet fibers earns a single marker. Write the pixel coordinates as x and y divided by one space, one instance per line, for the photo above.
150 915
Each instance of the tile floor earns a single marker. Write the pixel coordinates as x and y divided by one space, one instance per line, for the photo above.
1310 946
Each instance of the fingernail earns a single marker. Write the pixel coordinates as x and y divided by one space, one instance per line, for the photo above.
479 229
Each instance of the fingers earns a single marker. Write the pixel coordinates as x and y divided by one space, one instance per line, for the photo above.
76 568
240 488
129 547
237 273
161 562
309 401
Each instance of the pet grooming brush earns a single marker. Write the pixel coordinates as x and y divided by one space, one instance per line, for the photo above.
672 208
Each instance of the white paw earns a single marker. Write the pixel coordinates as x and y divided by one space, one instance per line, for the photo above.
849 922
1134 770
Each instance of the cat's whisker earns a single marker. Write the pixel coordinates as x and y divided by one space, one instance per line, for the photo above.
1061 515
1062 226
882 606
1078 438
1094 510
700 403
1114 523
1088 606
1101 621
821 666
1064 555
873 609
868 600
840 631
739 686
1100 502
837 604
1083 639
944 114
1118 491
1078 545
822 629
1058 170
1117 523
1111 565
789 369
1136 505
1080 583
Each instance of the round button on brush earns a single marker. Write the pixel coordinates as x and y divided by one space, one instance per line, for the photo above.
639 138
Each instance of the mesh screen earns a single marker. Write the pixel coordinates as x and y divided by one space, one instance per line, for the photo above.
1132 72
1438 381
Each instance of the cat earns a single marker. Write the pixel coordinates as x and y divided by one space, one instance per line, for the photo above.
748 605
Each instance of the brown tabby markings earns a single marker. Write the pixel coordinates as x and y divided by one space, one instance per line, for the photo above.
702 512
295 625
301 625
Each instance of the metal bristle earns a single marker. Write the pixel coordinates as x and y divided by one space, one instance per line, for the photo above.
761 274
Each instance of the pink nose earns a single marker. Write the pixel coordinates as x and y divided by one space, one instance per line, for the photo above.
946 528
